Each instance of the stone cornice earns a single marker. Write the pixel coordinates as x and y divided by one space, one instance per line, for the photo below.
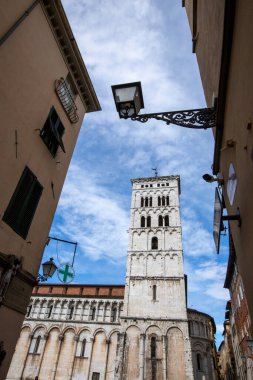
63 34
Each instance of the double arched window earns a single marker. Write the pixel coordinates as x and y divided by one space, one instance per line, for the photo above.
163 221
154 243
143 221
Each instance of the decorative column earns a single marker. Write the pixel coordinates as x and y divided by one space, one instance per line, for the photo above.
142 355
164 362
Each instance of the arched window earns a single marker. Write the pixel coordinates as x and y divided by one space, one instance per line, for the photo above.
114 314
146 202
83 346
163 201
154 292
153 347
160 221
159 201
150 201
142 201
167 200
93 313
143 221
199 362
166 220
154 243
149 221
37 344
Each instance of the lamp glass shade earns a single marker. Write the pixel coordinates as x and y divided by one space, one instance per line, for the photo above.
128 99
49 268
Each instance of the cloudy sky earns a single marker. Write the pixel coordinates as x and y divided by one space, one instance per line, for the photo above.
147 41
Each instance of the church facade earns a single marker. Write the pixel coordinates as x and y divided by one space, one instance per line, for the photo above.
142 330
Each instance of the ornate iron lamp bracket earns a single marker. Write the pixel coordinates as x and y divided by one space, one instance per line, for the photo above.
202 118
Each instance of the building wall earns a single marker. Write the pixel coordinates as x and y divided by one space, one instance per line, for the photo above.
33 57
59 354
225 62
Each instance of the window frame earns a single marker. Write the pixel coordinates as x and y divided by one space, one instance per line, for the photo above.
52 132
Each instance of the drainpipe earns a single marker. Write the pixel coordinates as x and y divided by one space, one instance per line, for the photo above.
107 355
91 352
42 354
18 22
76 339
29 347
61 338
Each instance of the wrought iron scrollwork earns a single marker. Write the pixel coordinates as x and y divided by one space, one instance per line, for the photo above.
198 119
65 95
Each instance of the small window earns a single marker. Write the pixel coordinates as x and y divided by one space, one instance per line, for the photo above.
163 184
52 132
146 185
22 206
143 221
95 375
166 220
158 185
167 184
142 201
83 346
199 362
167 200
159 201
37 344
146 202
163 201
151 185
149 221
160 221
150 202
154 292
154 243
153 347
142 186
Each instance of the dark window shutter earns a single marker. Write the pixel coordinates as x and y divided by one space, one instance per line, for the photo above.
23 203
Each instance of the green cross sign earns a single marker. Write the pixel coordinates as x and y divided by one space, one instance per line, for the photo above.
66 271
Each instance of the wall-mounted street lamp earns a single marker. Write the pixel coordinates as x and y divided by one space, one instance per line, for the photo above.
48 268
129 101
210 179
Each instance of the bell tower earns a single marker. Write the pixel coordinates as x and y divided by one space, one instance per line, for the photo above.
154 321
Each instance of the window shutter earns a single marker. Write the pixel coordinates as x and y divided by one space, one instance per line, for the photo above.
23 203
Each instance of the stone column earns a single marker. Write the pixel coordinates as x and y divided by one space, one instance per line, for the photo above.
164 362
119 360
142 356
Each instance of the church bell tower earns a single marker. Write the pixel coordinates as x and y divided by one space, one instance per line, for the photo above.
154 344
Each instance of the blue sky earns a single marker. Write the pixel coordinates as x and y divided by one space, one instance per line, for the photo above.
147 41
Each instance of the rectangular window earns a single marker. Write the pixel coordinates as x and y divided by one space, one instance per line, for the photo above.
95 375
52 132
22 206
